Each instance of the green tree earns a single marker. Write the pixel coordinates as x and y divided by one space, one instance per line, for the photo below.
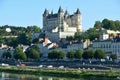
105 24
93 33
99 54
113 56
56 54
69 38
11 42
6 54
98 25
19 54
34 28
71 54
25 39
1 40
33 52
88 54
78 54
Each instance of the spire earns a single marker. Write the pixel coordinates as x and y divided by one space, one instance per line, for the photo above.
52 12
66 12
60 10
46 12
78 11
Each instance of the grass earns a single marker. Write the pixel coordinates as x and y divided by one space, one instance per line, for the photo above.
61 73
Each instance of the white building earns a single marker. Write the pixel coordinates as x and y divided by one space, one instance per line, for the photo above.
103 37
109 46
46 46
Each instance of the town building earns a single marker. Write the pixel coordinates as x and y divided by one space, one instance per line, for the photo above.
110 46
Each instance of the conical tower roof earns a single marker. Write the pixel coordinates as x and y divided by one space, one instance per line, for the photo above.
78 11
60 10
46 12
66 12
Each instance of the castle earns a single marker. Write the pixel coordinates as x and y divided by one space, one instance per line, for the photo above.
57 26
62 23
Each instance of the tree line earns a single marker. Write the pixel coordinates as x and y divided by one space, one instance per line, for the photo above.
34 53
31 53
16 30
108 24
24 35
79 54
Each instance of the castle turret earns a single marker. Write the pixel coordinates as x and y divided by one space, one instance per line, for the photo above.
66 14
78 20
45 15
51 12
78 11
60 18
60 10
46 12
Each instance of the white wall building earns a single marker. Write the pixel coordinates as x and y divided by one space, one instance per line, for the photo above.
109 46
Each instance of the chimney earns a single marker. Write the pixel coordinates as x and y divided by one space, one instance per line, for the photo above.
46 41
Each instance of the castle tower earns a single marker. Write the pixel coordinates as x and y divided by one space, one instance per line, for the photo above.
60 18
45 14
78 22
66 14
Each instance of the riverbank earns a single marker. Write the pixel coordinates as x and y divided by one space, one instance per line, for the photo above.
61 72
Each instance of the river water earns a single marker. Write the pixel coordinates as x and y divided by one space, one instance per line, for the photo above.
9 76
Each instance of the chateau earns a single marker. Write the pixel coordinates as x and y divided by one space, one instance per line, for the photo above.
62 23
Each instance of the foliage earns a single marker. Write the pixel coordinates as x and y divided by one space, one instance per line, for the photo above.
99 54
71 54
1 40
36 40
34 28
94 32
11 41
24 39
78 54
98 25
6 54
17 30
88 54
110 24
56 54
69 38
33 52
113 56
18 35
19 54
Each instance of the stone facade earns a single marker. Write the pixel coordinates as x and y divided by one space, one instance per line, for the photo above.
62 22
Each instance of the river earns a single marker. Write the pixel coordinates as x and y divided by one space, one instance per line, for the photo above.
10 76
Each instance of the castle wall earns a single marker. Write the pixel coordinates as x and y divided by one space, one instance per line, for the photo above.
50 23
65 34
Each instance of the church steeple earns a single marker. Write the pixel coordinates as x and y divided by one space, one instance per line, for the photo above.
60 10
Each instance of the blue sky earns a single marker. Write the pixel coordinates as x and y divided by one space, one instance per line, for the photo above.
29 12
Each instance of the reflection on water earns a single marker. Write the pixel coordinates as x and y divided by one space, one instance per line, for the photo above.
9 76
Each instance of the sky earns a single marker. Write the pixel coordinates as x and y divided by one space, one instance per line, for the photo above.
29 12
